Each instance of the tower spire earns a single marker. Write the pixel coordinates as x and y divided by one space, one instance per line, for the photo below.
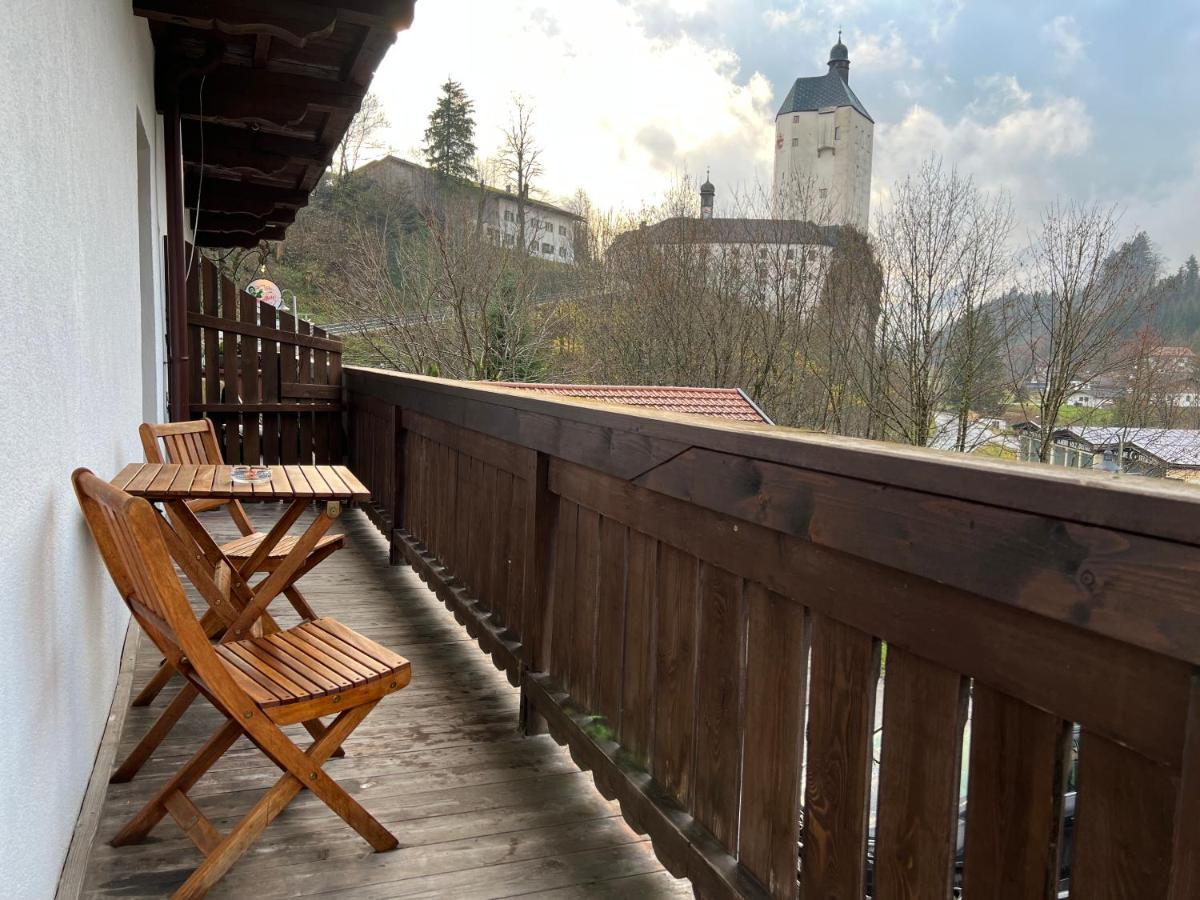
839 59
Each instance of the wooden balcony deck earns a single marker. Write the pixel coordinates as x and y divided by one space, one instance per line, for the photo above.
479 810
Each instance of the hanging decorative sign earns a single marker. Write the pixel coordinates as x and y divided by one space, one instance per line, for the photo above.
265 291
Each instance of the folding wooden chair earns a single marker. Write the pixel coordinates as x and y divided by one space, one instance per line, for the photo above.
317 668
195 443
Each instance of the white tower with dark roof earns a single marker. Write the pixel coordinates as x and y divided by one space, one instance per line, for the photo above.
823 143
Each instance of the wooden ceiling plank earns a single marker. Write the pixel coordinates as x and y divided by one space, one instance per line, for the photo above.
295 23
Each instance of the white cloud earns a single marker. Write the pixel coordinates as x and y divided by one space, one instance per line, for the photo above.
614 107
813 16
1020 150
882 52
1062 33
1167 213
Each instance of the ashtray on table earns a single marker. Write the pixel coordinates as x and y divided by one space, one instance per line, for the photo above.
250 474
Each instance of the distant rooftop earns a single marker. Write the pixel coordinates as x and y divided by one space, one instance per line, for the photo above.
720 403
684 230
821 92
425 171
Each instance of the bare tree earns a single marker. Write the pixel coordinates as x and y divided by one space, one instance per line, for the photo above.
448 299
520 160
943 248
363 137
1085 293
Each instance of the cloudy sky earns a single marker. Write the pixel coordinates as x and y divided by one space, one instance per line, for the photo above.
1092 100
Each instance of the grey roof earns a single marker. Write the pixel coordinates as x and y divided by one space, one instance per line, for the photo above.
1176 447
681 230
820 92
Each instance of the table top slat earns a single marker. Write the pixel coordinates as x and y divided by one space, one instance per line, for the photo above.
335 481
127 475
181 486
318 483
206 482
204 479
161 485
300 485
357 489
142 480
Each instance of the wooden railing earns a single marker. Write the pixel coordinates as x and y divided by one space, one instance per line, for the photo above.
699 611
270 382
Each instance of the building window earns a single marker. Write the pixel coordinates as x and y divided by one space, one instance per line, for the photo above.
548 248
795 142
795 120
791 254
508 216
824 193
562 251
837 132
562 229
533 246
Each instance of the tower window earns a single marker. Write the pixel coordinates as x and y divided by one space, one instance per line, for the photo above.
795 142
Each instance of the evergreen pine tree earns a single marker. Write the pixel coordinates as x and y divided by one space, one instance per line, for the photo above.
449 148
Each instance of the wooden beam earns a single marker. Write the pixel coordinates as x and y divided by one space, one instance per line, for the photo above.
246 197
295 23
210 238
240 94
223 222
246 152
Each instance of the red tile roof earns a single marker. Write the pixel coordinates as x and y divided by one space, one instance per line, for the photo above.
722 403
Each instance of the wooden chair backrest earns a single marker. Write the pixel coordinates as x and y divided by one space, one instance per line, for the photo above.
126 530
191 443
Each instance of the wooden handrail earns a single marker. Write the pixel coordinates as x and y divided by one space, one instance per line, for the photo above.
669 590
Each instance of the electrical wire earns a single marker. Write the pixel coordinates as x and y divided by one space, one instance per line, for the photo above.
200 186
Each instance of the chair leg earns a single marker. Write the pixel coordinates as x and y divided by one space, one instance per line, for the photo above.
152 813
155 736
300 604
316 728
238 840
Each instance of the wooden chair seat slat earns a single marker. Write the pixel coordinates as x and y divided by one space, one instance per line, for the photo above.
272 661
382 655
244 547
317 646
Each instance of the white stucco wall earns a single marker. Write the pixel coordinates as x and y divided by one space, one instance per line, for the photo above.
840 165
74 77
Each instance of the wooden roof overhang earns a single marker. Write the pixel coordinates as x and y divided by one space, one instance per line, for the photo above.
265 90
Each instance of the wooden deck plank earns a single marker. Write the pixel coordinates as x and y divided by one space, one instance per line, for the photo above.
482 811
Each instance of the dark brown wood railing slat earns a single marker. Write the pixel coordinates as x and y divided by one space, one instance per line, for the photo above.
675 668
248 357
212 337
841 717
924 709
639 697
563 601
269 318
1124 820
664 588
587 586
1017 772
777 654
719 726
289 370
230 372
610 619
